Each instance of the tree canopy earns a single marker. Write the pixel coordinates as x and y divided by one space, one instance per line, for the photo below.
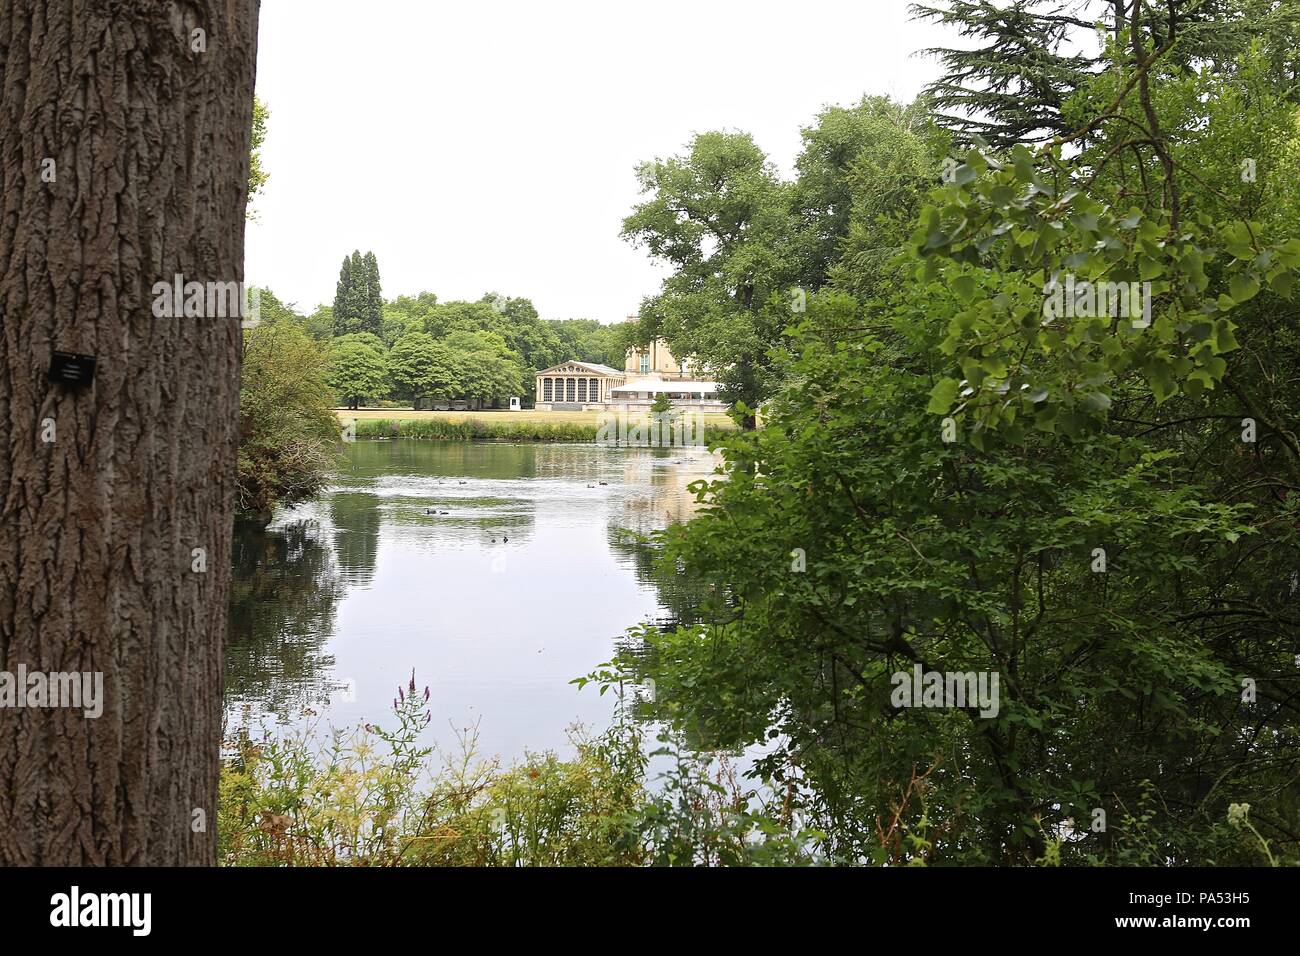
961 473
358 367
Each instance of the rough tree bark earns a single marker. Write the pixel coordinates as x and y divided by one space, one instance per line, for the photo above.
149 139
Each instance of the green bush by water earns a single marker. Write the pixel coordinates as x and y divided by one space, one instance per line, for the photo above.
376 796
473 429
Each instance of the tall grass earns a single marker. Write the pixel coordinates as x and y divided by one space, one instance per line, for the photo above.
473 429
375 796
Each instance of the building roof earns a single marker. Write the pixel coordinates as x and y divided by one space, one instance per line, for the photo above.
659 385
589 366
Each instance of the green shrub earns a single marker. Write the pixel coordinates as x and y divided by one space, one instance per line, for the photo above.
288 434
473 429
370 797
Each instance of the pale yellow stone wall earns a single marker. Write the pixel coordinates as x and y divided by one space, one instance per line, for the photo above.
662 361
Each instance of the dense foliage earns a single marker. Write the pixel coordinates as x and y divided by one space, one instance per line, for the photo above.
377 796
288 431
958 474
975 459
748 249
358 367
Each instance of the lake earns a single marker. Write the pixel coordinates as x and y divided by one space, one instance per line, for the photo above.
526 582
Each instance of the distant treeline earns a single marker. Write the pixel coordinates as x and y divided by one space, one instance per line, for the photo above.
415 346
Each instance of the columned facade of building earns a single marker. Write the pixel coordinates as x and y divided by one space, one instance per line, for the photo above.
574 386
649 373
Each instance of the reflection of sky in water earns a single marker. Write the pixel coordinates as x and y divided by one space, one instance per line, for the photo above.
374 586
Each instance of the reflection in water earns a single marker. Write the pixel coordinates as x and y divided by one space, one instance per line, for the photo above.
355 517
679 595
284 593
490 569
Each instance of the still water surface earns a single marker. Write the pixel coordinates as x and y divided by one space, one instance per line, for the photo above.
524 584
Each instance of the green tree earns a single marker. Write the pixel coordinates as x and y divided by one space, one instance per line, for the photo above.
346 318
272 311
860 177
719 216
257 174
358 300
358 368
1029 58
409 314
967 480
585 340
419 366
622 336
851 546
320 323
372 314
288 432
1012 86
488 376
486 366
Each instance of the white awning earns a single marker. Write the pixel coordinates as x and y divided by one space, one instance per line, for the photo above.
655 386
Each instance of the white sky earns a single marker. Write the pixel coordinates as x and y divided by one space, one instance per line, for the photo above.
490 144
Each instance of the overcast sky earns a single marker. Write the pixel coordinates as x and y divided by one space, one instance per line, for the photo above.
491 144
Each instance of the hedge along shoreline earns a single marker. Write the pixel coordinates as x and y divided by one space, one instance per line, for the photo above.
473 429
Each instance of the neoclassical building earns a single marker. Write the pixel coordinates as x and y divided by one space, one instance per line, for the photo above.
575 386
647 373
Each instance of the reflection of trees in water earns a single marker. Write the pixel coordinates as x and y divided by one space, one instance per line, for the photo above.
356 520
679 596
424 459
284 591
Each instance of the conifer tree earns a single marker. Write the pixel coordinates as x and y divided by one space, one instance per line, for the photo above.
344 316
357 292
373 314
358 300
1030 56
1012 85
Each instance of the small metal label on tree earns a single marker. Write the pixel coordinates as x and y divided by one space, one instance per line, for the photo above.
72 370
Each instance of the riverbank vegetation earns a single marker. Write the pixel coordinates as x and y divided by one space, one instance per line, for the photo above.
955 475
474 429
488 429
959 473
376 796
397 413
288 433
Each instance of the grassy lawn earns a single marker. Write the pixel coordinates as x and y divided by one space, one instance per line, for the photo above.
528 415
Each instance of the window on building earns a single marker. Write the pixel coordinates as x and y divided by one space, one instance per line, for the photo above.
645 362
546 390
582 389
570 390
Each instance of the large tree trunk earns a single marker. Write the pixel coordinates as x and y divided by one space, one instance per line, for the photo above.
149 139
